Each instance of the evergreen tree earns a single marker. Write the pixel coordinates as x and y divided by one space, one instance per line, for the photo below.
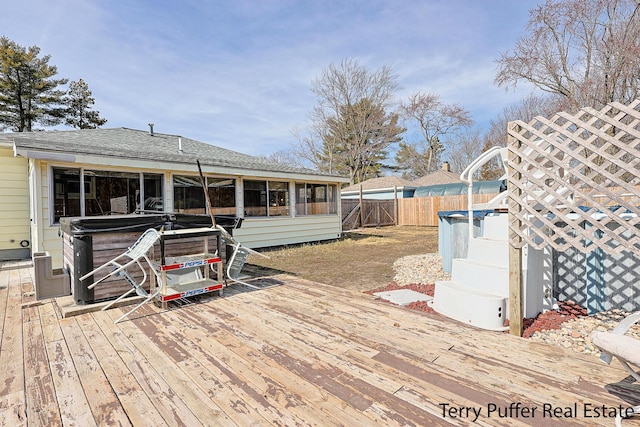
412 162
29 93
79 113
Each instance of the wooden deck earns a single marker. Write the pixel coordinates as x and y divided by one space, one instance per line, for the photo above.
299 353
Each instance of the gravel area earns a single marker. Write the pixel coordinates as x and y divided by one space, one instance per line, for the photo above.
574 334
419 269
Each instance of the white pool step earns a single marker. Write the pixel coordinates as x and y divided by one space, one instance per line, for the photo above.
478 291
489 251
480 309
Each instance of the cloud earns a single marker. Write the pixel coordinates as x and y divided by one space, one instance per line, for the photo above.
238 73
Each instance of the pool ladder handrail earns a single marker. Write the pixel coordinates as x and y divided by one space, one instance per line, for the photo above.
467 177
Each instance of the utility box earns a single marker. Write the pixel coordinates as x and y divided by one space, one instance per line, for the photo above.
49 283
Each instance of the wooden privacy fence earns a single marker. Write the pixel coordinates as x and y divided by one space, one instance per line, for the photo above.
421 211
424 210
374 213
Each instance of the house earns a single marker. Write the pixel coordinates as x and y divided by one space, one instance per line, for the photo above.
441 176
14 205
53 174
391 187
382 188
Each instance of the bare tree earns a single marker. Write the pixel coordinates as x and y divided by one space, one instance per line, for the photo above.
283 157
351 128
436 122
588 52
315 148
525 110
467 148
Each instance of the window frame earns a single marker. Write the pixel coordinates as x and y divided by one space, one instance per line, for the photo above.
330 198
269 210
219 178
86 181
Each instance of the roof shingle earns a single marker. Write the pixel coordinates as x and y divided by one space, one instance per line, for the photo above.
137 144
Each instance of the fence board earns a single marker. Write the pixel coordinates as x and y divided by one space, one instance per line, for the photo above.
420 211
377 213
423 211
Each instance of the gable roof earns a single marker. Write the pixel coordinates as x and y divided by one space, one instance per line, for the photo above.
381 183
436 178
132 144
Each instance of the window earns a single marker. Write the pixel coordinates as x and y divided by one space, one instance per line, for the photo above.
255 198
332 199
278 198
222 194
256 202
115 192
189 198
66 193
316 199
104 192
153 200
187 195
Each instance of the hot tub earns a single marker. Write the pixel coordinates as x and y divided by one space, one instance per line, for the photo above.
89 242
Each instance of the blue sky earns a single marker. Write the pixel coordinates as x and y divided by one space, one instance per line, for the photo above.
237 73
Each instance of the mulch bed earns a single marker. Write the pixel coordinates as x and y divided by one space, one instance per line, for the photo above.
553 319
550 320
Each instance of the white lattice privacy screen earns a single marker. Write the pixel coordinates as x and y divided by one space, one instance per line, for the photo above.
574 180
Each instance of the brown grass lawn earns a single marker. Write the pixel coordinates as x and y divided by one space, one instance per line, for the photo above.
361 260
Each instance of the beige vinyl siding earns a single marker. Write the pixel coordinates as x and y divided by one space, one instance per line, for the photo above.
52 243
264 232
50 234
14 201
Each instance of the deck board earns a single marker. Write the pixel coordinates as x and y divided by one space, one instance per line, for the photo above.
12 387
73 403
246 355
226 374
102 401
161 394
159 355
135 402
42 405
297 353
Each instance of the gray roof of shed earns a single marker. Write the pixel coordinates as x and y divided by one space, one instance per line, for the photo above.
136 144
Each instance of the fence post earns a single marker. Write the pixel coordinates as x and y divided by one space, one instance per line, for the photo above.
361 209
395 205
515 240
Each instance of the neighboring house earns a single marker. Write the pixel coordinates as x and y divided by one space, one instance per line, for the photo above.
53 174
441 176
383 188
390 187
